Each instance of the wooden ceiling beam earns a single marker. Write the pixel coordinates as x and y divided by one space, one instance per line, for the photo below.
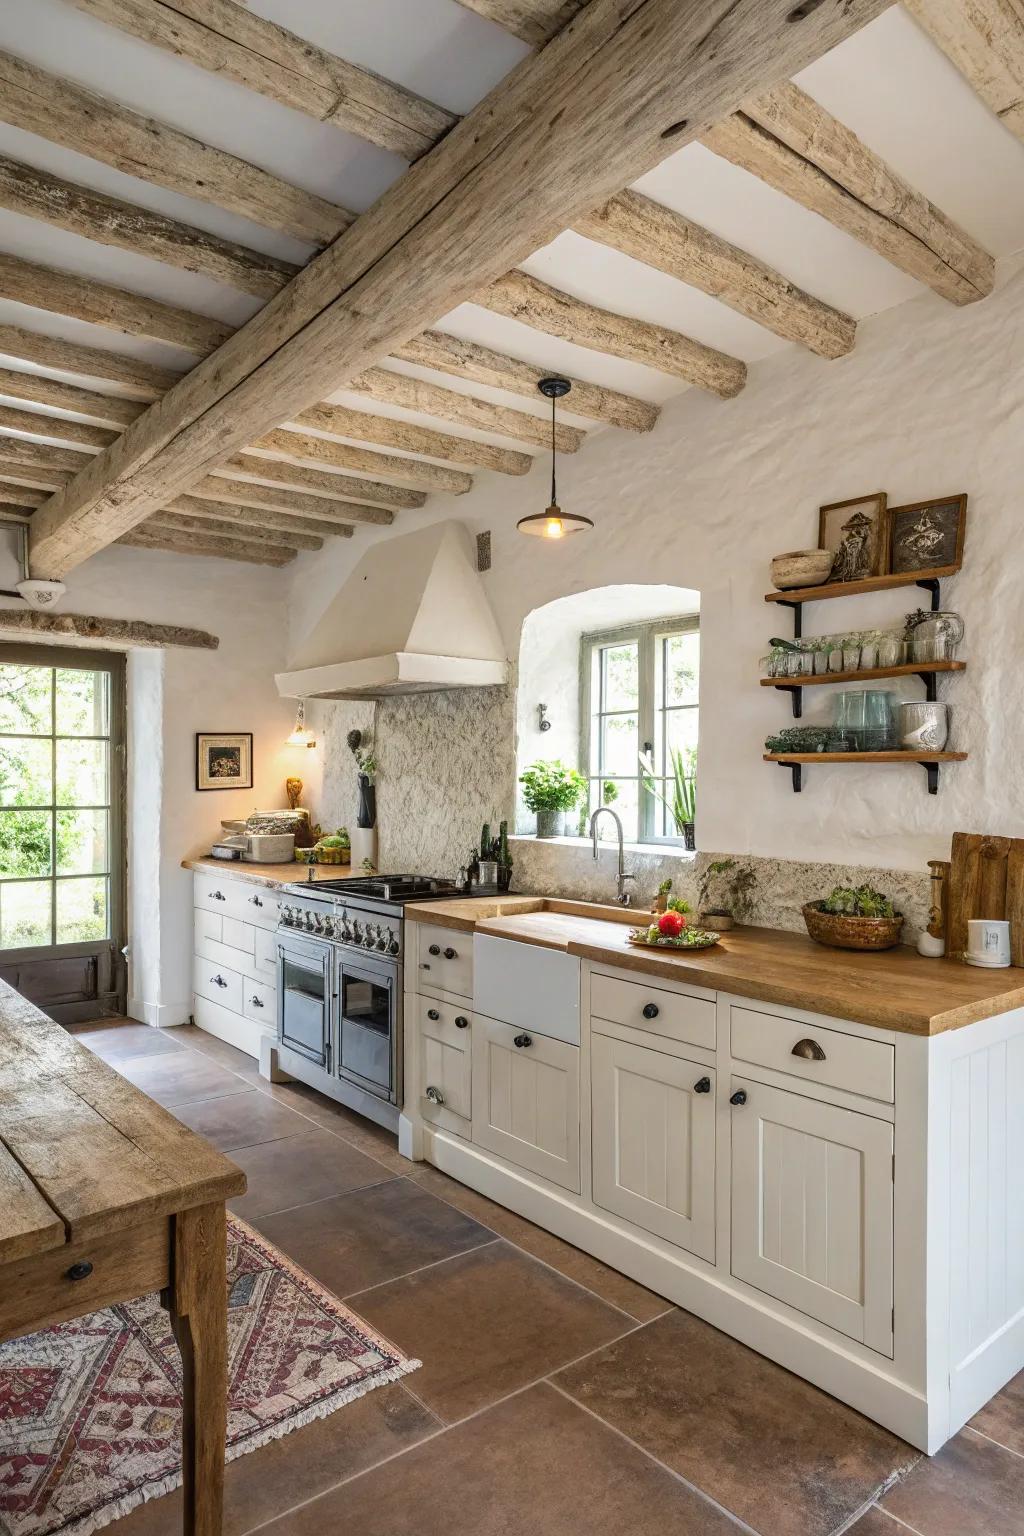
144 381
17 495
522 297
175 520
304 446
289 503
535 21
481 365
114 409
786 139
110 221
671 243
985 41
392 432
629 82
192 543
45 456
61 111
14 474
261 517
412 394
227 39
317 482
83 298
39 424
84 626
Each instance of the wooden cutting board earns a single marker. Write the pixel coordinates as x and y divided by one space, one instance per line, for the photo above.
986 880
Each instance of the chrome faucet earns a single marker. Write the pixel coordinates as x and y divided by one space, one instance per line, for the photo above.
622 896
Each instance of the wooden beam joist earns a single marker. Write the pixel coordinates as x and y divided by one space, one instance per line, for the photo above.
789 141
629 82
535 21
412 394
37 424
223 37
391 432
14 474
63 112
109 221
83 298
173 520
481 365
15 494
318 482
83 626
143 381
259 517
985 41
17 385
291 503
29 455
191 543
522 297
661 238
305 446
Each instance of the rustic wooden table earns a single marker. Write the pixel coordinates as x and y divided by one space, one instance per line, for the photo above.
104 1197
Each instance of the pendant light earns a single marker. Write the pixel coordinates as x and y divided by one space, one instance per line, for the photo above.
554 523
300 736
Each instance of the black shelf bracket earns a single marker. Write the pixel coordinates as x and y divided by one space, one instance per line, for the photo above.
798 697
797 770
931 584
932 770
931 685
798 615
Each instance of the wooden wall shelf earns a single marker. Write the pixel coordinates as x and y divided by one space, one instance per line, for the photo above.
929 761
927 579
927 671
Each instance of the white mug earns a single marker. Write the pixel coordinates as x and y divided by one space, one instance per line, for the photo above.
988 942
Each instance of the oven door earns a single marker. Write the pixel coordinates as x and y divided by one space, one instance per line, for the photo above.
369 1002
304 998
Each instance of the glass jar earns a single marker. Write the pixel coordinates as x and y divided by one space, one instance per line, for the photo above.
868 655
890 651
879 732
851 656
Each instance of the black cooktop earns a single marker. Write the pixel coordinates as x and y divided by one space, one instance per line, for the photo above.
398 888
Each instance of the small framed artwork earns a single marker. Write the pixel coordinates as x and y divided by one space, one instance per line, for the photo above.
927 534
224 762
856 533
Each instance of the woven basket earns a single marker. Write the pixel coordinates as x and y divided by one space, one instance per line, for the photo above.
844 932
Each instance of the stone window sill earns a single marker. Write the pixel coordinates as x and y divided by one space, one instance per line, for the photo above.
649 850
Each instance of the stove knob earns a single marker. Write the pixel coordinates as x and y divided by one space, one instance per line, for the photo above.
357 932
394 947
309 922
318 922
368 940
382 941
346 931
329 927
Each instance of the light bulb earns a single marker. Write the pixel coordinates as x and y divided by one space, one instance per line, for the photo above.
553 528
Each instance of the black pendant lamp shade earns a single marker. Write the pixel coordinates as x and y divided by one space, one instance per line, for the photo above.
554 523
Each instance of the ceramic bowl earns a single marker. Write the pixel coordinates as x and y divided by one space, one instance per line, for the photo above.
802 568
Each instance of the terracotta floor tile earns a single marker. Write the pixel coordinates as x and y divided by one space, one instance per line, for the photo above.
970 1488
179 1077
876 1523
372 1139
1003 1418
299 1466
241 1120
534 1466
113 1040
786 1458
302 1168
372 1235
607 1283
486 1324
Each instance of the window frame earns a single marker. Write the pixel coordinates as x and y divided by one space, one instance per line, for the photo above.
646 635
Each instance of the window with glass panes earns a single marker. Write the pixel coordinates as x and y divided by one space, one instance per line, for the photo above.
640 694
58 732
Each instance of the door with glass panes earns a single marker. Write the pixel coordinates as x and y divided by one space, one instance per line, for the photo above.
62 862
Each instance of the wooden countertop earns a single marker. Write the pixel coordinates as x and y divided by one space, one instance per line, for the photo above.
269 874
896 989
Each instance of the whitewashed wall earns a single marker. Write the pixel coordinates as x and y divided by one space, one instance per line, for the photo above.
930 402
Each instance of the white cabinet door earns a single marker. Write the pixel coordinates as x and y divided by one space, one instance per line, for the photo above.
526 1100
446 1050
653 1140
812 1200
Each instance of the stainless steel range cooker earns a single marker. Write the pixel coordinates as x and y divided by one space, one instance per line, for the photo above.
340 954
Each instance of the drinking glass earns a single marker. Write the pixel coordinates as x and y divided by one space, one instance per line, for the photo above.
879 733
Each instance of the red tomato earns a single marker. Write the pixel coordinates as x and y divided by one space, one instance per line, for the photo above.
671 924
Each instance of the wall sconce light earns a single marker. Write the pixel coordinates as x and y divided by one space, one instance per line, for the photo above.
300 737
543 723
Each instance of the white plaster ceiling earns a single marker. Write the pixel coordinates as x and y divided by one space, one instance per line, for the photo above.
889 83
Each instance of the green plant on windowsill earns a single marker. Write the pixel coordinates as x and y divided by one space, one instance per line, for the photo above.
682 806
550 789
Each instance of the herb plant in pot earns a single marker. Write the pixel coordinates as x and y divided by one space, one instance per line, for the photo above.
550 789
681 803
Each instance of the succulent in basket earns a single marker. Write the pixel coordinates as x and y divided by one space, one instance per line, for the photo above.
858 901
854 917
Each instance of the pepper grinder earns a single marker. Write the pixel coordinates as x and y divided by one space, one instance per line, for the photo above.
933 941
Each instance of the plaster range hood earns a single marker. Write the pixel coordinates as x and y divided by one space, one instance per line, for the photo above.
411 618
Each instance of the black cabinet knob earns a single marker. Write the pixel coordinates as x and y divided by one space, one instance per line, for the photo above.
739 1097
451 954
435 949
432 1013
80 1271
461 1022
521 1041
651 1010
702 1085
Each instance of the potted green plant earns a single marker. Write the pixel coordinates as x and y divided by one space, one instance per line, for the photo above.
550 789
682 806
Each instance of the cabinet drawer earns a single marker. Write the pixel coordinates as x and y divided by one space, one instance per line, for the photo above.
446 1052
239 935
526 1100
38 1291
265 956
256 904
217 983
446 960
210 893
208 925
822 1055
259 1002
674 1015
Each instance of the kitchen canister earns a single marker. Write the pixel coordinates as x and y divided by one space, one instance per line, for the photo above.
923 727
988 942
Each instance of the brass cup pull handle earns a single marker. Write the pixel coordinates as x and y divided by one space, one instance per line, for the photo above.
808 1050
521 1041
80 1271
435 1096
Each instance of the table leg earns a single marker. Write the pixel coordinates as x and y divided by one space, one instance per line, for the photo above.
199 1315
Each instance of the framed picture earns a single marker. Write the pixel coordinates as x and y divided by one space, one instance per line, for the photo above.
927 534
856 532
224 762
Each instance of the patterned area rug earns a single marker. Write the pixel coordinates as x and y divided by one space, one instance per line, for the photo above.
90 1411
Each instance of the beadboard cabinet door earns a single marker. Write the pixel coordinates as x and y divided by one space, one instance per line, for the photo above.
526 1100
653 1140
446 1049
812 1209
